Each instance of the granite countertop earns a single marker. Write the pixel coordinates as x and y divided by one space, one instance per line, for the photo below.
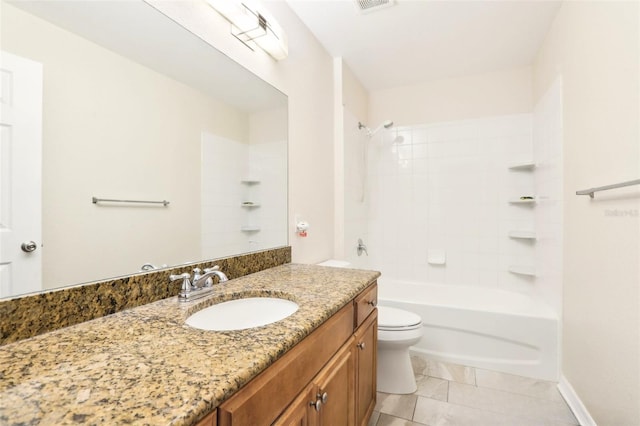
145 366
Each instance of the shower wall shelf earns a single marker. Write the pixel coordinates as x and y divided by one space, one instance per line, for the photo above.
528 271
529 165
250 191
250 181
519 201
523 234
250 228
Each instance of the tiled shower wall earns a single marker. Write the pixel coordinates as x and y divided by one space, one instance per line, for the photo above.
221 195
223 192
436 204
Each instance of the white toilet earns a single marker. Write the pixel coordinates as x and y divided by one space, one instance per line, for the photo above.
397 331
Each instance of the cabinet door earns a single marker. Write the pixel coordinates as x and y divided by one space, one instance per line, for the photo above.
366 350
262 400
365 303
209 420
301 412
335 386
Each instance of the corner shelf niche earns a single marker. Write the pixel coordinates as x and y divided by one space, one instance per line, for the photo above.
523 234
519 201
528 271
250 228
528 165
250 180
250 193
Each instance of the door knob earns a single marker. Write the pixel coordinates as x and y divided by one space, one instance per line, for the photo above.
28 246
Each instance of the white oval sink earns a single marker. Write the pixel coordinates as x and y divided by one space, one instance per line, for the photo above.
243 313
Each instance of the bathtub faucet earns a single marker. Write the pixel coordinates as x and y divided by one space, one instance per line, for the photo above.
361 248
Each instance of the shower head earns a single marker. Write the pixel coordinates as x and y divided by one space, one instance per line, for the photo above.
387 124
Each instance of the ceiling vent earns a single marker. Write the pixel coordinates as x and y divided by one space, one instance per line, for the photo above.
367 6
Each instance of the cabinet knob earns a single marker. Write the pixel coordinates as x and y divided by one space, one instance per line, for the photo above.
361 345
323 397
371 302
316 404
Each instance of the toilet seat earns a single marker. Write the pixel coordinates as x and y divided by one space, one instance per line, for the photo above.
392 319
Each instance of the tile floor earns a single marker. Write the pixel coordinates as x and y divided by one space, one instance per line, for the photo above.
455 395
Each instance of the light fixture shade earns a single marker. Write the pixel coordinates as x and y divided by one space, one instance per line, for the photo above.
253 24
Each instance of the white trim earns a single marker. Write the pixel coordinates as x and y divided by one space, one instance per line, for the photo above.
575 403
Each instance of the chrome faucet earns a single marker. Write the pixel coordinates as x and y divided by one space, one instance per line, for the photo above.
361 248
201 285
150 267
205 279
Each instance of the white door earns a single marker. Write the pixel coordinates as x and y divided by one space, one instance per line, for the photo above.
20 175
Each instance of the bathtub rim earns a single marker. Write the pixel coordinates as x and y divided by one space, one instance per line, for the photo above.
542 309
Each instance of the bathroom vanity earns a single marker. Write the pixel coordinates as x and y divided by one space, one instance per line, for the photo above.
326 379
145 364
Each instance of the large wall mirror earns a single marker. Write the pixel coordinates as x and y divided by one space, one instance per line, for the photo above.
115 101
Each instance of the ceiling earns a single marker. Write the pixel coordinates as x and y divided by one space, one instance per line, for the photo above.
421 40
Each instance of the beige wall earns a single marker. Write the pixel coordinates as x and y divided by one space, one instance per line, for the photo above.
351 97
97 144
355 97
594 46
475 96
306 77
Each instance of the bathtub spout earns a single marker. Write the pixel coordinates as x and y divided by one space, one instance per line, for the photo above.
361 248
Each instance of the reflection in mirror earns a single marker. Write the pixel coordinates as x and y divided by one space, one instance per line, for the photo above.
122 103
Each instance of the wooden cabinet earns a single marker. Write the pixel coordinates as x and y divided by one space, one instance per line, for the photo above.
329 399
300 412
366 338
210 419
365 303
327 379
265 397
335 386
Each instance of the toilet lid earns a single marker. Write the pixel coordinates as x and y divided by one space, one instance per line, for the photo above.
392 318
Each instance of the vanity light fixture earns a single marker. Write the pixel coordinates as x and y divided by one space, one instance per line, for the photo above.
253 25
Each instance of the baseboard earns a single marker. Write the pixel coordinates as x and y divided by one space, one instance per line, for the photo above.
575 403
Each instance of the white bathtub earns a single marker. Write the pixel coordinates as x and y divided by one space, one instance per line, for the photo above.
479 327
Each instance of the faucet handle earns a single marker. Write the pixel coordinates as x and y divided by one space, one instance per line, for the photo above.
197 273
186 283
185 276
